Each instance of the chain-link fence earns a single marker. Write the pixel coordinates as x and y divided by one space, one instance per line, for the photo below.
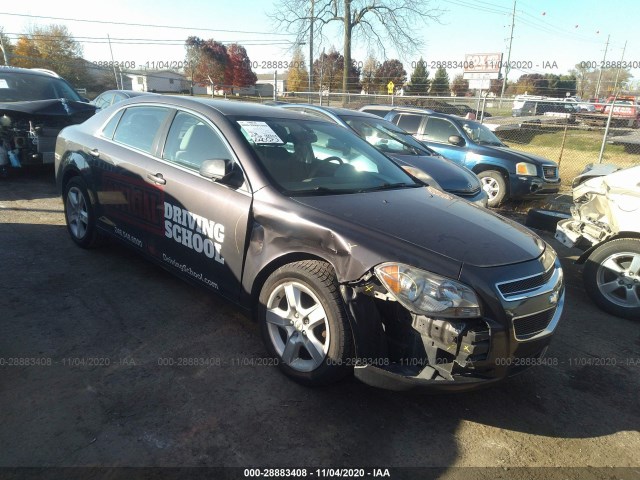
573 140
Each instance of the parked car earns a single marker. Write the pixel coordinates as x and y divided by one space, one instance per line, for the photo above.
35 104
528 105
348 263
605 224
504 172
416 158
108 98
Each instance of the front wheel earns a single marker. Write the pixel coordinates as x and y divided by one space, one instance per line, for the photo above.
493 183
612 277
304 323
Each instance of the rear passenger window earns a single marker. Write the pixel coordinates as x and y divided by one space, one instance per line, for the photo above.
139 127
191 141
410 123
439 130
110 127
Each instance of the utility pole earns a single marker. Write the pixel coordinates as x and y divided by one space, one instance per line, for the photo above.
612 107
311 20
603 60
113 63
4 52
506 67
275 85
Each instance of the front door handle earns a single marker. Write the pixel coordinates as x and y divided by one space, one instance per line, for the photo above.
157 178
94 152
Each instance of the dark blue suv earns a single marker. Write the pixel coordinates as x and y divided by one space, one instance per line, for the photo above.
505 173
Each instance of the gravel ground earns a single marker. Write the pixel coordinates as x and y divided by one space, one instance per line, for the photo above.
59 304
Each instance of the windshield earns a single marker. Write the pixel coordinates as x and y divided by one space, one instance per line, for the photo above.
481 134
23 87
313 157
386 136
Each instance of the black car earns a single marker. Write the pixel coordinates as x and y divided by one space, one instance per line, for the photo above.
348 263
35 104
413 156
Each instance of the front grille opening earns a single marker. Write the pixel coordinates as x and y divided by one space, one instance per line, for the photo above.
531 325
550 172
517 287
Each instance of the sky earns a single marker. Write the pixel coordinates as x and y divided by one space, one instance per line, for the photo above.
549 36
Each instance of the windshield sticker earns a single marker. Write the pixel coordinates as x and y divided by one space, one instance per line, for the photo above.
3 83
260 132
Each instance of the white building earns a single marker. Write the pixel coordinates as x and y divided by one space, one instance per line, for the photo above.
265 83
162 81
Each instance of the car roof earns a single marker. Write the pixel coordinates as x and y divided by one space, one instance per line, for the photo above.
397 108
129 93
40 72
224 107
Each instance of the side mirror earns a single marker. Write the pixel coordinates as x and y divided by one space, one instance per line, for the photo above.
222 171
456 140
216 169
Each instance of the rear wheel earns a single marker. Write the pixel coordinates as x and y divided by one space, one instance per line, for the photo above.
493 183
79 214
612 277
304 322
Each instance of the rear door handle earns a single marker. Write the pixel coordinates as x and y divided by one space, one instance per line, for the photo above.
94 152
157 178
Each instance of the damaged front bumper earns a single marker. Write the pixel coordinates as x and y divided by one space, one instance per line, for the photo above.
399 350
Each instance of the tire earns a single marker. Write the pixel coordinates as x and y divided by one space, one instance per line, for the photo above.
312 351
79 214
612 277
493 183
546 220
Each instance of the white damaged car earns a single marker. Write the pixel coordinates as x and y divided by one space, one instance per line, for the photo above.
605 224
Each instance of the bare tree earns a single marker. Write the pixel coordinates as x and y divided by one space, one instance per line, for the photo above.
379 23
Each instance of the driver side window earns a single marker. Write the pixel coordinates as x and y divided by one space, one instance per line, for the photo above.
191 141
439 130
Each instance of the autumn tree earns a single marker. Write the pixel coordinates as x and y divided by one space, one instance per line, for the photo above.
52 47
459 86
378 23
297 77
440 83
6 48
368 73
390 71
328 72
212 61
239 66
420 78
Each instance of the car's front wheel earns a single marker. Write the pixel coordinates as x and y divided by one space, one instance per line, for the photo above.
79 214
304 322
612 277
493 183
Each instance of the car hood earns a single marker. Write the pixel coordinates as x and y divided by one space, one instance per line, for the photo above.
429 220
449 175
50 108
516 155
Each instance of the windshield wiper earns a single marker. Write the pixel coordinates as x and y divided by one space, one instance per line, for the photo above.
322 191
390 186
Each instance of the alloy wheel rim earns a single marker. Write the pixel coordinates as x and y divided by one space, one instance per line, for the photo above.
618 279
298 326
77 213
490 185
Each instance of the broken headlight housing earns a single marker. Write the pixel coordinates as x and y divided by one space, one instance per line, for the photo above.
426 293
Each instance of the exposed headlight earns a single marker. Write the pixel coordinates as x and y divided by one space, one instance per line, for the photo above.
524 168
420 175
426 293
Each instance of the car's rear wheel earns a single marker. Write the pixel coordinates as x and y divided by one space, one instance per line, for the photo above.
79 214
493 183
612 277
304 322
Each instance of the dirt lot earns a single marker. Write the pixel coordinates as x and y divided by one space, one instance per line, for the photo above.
60 304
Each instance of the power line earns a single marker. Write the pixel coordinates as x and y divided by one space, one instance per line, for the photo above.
175 27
